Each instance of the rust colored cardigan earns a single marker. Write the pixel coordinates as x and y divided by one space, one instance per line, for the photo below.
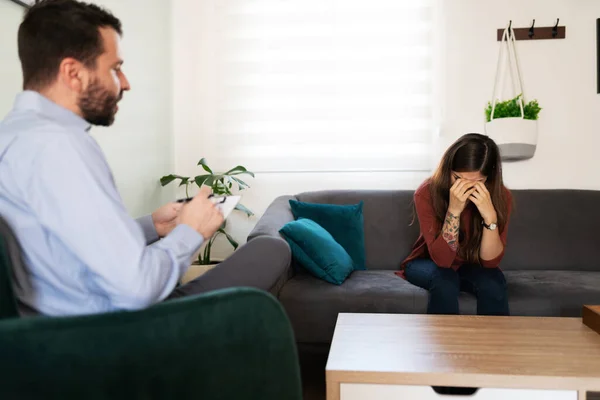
432 245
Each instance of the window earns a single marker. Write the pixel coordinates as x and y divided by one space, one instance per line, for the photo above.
318 85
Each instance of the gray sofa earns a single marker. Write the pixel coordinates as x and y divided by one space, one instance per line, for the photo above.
552 261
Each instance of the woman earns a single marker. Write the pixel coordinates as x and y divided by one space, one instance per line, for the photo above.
463 212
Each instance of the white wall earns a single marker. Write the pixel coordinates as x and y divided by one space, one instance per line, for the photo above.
10 68
559 73
139 145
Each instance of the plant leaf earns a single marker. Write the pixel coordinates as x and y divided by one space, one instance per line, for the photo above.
239 170
204 165
231 240
211 180
204 256
201 179
208 248
165 180
184 181
219 190
244 209
511 109
241 184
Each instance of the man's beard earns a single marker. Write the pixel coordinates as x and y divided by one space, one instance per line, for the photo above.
98 105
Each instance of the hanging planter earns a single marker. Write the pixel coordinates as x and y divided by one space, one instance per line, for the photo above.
512 124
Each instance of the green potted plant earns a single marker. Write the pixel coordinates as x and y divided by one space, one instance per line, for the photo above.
222 184
513 125
512 109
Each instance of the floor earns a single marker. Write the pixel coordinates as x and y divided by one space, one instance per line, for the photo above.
313 376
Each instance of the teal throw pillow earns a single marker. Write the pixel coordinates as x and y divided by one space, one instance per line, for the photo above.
315 250
343 222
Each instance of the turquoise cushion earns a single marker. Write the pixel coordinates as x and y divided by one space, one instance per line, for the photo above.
316 250
344 223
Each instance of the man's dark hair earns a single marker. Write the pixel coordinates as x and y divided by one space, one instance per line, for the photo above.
53 30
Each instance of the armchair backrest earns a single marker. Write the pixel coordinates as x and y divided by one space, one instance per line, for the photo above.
227 344
10 252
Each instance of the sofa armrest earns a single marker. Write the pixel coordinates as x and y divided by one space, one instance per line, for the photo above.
223 344
275 217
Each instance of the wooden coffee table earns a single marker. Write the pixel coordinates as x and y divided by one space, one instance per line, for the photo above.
396 356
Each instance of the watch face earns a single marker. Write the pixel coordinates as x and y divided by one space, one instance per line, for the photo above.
493 226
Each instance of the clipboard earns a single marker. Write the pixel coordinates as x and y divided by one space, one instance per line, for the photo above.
226 204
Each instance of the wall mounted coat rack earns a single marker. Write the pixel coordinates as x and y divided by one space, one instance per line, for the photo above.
537 32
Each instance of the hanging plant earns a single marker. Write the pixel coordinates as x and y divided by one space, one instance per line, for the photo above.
511 109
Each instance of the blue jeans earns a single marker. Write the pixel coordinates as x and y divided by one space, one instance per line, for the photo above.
444 284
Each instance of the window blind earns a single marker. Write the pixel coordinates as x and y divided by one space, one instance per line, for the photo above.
319 85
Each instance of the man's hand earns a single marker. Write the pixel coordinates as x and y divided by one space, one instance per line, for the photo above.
165 218
201 214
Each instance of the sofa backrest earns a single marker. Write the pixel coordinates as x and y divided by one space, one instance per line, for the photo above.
554 230
549 229
389 235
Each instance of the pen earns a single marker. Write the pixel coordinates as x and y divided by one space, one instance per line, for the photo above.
212 196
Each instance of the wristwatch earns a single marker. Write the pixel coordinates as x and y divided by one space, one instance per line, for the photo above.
492 227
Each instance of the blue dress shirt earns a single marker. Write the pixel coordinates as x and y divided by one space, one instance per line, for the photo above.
84 253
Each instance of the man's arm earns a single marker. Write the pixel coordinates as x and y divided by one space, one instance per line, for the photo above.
86 214
147 225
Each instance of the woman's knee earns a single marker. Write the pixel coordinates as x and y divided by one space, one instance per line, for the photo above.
425 273
492 285
445 281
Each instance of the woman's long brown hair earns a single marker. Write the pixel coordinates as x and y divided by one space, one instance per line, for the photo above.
470 153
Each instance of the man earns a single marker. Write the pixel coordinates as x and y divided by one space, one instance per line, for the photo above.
83 253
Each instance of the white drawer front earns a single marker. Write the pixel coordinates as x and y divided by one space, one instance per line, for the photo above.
356 391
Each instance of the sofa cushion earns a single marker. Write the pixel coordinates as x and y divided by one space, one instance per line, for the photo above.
313 305
343 222
388 222
315 250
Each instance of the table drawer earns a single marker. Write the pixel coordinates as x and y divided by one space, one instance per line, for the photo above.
356 391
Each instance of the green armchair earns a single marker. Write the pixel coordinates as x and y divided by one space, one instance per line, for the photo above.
228 344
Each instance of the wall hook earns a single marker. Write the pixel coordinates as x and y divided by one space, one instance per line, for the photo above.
531 32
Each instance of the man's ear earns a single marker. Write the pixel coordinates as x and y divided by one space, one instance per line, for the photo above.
73 74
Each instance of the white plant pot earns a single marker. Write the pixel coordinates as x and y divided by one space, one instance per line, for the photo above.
515 137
